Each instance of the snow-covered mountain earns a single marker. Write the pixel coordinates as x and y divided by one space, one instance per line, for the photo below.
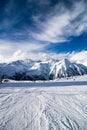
64 68
41 70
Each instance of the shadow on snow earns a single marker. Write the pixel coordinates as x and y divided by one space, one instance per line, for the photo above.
43 84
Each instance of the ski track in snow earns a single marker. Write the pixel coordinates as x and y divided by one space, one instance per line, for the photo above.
43 108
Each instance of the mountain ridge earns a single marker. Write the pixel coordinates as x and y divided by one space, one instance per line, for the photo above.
41 70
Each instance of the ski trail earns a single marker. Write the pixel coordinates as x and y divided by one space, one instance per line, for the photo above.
43 108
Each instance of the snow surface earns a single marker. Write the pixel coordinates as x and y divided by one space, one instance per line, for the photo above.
50 105
35 70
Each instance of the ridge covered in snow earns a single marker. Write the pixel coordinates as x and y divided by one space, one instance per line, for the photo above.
41 70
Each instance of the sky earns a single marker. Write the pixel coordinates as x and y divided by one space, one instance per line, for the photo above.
30 28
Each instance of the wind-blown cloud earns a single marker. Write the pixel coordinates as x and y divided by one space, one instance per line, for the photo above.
52 30
30 26
58 27
49 21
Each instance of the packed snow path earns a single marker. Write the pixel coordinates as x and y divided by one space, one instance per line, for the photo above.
43 108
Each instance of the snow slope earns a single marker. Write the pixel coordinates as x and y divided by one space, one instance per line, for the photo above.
64 68
41 70
54 105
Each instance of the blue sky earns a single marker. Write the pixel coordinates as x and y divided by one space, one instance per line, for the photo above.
42 26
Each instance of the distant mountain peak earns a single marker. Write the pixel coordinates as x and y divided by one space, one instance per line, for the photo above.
41 70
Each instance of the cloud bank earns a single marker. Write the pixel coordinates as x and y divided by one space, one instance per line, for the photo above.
29 28
12 51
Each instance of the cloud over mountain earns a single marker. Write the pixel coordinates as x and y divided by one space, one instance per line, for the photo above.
34 25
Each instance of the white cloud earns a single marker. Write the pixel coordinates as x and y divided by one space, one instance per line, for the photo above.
59 27
78 18
52 31
79 57
78 9
18 55
10 51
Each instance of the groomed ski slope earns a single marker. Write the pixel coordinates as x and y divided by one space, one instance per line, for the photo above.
53 105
